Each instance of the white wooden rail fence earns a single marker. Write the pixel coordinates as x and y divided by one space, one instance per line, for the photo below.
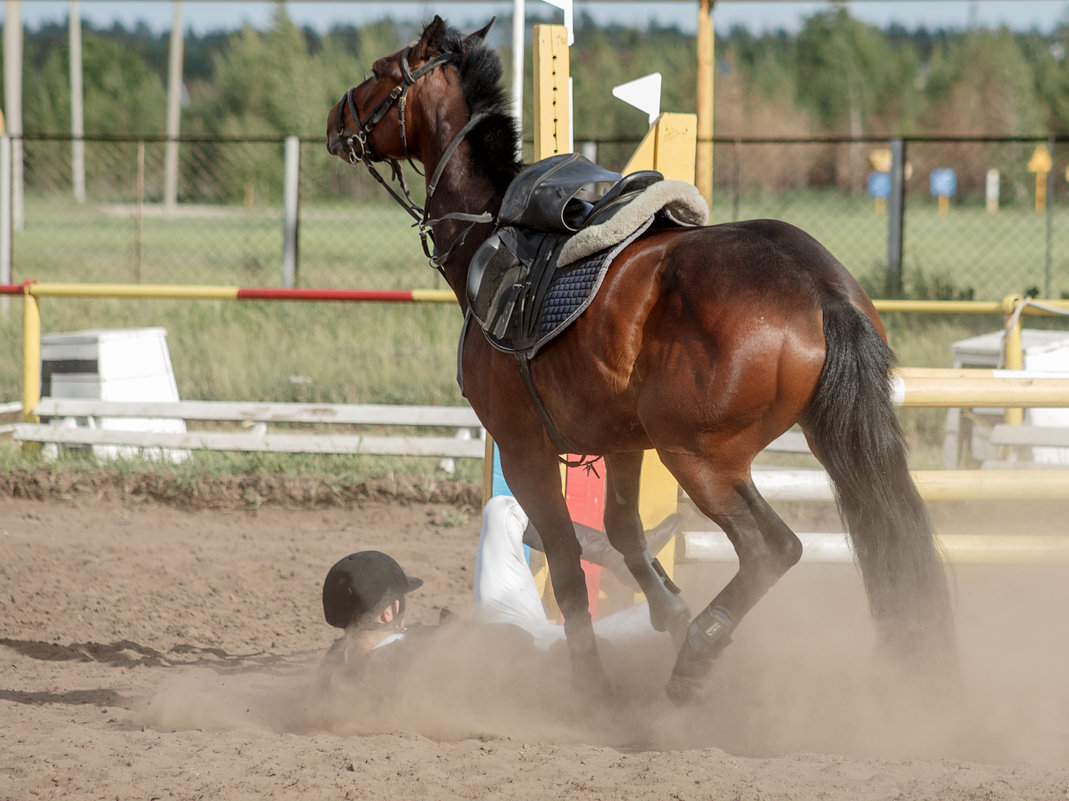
58 413
9 412
775 483
463 444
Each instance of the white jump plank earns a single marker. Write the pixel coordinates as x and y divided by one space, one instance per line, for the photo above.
961 549
713 546
281 443
789 442
793 485
1023 435
340 413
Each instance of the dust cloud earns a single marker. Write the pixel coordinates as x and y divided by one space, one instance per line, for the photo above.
802 676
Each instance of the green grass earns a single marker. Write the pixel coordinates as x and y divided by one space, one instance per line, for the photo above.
400 353
332 469
359 246
968 252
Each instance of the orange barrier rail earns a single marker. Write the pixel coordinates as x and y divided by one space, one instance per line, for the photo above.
31 319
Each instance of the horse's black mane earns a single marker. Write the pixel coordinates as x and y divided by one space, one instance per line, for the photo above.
496 139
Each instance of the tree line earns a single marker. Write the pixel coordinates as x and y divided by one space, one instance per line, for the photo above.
835 76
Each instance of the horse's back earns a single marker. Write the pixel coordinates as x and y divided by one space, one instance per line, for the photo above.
755 253
756 264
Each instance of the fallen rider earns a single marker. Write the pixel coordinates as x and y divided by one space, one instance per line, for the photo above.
364 594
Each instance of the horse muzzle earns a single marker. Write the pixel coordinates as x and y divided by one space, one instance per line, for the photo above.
339 143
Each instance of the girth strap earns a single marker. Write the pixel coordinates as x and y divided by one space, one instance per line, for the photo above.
558 440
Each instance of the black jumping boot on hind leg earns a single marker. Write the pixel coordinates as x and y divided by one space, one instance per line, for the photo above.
708 635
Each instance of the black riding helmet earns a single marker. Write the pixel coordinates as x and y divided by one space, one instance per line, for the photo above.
363 583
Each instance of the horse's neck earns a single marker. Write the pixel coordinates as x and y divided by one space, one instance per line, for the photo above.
463 187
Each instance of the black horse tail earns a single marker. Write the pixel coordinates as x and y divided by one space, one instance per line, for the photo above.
853 430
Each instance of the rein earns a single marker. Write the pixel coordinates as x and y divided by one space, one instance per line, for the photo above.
399 95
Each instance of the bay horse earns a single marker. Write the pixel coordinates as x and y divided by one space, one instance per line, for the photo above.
702 343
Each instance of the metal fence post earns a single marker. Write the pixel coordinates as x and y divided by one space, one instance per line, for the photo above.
5 219
174 111
1048 275
896 216
290 201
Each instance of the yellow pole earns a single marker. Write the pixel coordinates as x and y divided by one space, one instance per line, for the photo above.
992 485
552 123
552 94
704 100
985 392
675 139
160 291
31 357
1015 549
940 306
31 365
1014 350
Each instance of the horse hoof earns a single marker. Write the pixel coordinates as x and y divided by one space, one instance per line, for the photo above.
682 689
599 690
706 638
593 682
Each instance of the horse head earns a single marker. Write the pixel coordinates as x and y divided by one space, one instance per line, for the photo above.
361 127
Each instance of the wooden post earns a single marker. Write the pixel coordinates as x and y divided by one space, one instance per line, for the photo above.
291 199
174 110
704 100
552 92
74 22
669 147
13 107
1013 349
5 215
31 364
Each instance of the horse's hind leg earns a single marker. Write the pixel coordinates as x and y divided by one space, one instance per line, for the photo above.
623 526
766 548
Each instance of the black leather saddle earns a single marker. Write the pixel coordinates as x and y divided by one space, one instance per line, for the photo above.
512 273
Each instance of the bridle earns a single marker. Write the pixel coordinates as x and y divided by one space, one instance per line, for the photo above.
399 95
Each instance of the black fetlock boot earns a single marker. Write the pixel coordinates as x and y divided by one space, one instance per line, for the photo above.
708 635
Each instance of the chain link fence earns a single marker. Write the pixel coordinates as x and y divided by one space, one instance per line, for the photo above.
983 237
972 224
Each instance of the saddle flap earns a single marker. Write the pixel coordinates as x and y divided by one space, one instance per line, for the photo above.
501 277
493 267
546 196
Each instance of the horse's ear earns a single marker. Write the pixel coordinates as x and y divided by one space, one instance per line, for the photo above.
431 41
479 35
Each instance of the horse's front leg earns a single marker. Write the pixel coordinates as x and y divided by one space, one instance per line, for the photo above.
535 482
623 526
